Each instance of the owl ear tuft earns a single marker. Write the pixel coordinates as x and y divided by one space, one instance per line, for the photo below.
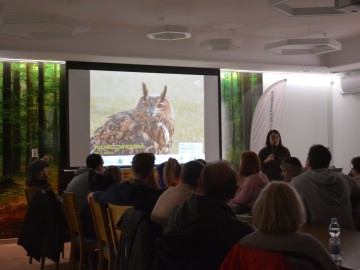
145 90
162 96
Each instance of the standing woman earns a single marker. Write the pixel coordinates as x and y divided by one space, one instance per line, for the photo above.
272 155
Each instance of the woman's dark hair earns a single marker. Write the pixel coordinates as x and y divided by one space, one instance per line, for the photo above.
268 137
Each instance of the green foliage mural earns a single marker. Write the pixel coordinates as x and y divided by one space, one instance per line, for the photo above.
240 93
29 119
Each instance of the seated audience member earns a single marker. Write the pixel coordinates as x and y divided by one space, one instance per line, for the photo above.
100 181
80 182
200 232
115 172
38 174
189 179
202 161
325 193
172 172
291 167
43 229
135 192
278 214
254 181
355 169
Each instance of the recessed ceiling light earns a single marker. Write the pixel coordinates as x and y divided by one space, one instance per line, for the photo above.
169 32
301 46
282 7
42 26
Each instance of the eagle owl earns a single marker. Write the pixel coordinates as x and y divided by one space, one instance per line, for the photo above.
147 128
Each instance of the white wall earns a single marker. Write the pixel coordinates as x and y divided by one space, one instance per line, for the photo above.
316 112
307 114
346 109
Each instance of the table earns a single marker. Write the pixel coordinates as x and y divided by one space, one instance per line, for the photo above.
245 218
350 244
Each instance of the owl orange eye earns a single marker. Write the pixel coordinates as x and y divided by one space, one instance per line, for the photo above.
160 106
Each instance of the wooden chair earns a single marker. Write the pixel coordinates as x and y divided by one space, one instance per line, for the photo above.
114 214
103 234
77 238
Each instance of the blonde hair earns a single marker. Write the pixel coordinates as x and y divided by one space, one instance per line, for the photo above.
278 209
172 172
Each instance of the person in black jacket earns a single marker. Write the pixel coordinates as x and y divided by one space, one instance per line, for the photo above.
201 231
272 155
137 192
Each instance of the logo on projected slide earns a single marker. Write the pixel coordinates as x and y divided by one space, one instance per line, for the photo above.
120 161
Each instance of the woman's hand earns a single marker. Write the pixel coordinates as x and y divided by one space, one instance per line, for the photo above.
271 157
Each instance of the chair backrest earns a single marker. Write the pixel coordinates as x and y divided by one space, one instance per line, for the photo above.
115 212
73 216
102 229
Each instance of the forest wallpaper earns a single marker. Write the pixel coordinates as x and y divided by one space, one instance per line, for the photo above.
240 92
29 122
30 125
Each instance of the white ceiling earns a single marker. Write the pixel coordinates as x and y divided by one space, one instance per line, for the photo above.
118 31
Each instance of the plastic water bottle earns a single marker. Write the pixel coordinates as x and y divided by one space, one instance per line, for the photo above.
334 241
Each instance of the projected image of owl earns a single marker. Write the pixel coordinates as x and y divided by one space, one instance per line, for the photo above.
147 128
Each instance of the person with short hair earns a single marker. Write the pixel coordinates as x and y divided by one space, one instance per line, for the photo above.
278 214
355 169
272 155
82 177
325 193
201 231
253 181
135 192
291 167
173 196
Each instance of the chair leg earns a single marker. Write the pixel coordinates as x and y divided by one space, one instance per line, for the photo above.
30 260
42 265
81 260
72 260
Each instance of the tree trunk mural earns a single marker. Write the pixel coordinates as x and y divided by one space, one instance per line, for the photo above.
7 134
29 119
16 130
239 94
41 114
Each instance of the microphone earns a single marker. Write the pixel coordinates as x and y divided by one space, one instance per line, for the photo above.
272 149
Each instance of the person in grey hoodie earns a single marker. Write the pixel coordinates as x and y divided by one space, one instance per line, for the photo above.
325 193
80 182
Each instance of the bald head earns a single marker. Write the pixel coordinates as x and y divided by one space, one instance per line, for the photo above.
218 180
